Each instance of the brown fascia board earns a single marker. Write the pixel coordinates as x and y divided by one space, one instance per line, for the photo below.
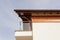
33 11
37 10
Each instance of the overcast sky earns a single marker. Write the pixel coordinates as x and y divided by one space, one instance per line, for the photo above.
9 19
36 4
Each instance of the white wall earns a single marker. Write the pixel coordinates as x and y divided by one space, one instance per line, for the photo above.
46 31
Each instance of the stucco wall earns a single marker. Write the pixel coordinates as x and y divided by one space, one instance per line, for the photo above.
46 31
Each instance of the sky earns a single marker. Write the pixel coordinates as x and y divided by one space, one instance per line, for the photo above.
9 20
36 4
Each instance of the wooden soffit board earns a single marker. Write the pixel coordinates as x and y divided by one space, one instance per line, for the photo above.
42 15
45 19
